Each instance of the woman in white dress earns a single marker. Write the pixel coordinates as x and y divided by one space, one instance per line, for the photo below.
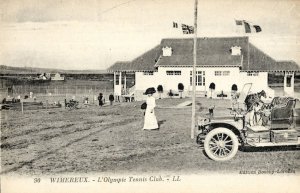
150 119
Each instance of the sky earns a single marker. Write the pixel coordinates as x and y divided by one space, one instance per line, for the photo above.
94 34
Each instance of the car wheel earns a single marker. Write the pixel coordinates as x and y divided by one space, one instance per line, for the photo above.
221 144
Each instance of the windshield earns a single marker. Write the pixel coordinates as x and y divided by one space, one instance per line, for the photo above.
245 91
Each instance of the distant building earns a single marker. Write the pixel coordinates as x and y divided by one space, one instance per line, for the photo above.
47 75
225 63
41 76
57 76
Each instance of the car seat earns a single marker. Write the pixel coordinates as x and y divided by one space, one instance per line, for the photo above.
282 116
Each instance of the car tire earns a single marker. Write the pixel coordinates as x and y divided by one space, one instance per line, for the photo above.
221 144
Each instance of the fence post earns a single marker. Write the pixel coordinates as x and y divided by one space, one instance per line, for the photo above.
65 90
22 107
93 96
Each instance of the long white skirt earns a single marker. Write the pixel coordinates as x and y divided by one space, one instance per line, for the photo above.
150 120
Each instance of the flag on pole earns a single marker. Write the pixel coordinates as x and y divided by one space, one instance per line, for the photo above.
257 28
186 29
249 28
175 24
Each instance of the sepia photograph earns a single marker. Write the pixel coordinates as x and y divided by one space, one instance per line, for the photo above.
149 96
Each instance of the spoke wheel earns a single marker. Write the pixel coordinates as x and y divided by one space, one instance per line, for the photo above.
221 144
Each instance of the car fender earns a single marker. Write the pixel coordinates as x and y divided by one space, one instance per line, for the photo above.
234 126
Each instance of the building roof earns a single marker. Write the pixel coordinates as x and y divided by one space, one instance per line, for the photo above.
145 62
211 52
287 66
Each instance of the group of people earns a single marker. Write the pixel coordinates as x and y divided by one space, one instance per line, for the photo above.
150 122
253 102
101 99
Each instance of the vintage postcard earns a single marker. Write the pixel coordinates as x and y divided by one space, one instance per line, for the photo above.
150 96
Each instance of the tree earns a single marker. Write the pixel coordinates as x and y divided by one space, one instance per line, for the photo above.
233 91
180 89
212 87
234 87
160 90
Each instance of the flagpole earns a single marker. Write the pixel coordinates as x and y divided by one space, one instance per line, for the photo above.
248 55
194 73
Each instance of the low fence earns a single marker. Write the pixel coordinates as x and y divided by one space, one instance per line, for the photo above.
3 93
59 93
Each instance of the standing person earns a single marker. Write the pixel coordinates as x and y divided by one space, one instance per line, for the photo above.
100 99
111 99
150 118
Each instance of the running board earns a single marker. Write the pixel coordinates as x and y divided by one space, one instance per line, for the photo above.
270 144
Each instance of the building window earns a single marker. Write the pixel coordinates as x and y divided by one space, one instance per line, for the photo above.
170 72
178 72
226 73
252 73
288 81
200 78
117 79
167 51
222 73
236 50
218 73
148 73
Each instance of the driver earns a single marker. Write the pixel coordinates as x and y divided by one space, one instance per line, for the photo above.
254 105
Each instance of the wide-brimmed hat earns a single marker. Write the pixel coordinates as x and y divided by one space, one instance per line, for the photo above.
150 90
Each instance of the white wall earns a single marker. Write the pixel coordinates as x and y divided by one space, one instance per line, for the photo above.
223 83
142 82
160 78
289 91
259 83
170 82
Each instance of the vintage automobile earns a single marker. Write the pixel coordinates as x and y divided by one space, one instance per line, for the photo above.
275 124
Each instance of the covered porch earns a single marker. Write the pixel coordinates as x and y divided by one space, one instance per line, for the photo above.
124 86
283 82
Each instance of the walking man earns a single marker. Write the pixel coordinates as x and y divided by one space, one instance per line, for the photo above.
100 99
111 99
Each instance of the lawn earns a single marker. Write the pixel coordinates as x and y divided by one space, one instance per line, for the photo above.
111 140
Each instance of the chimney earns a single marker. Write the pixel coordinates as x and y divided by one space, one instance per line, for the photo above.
167 51
236 50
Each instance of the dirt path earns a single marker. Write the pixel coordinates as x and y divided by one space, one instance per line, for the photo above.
110 140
